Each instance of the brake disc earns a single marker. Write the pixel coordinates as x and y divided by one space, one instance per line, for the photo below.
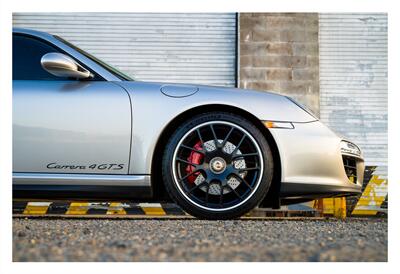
215 189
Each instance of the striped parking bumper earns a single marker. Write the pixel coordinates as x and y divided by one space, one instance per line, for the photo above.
90 208
127 210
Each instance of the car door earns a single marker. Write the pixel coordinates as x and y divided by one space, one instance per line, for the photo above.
65 125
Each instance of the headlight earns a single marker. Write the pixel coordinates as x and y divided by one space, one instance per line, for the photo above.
349 148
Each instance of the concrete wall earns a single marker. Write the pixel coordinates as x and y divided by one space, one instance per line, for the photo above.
279 52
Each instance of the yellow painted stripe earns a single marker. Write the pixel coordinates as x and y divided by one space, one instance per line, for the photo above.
36 208
365 202
335 206
371 197
364 212
152 209
339 205
116 209
77 208
328 207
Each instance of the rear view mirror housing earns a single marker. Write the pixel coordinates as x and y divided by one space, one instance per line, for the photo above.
61 65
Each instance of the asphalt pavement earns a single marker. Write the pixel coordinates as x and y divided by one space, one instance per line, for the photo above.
354 239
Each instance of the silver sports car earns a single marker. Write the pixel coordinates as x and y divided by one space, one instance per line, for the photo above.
83 129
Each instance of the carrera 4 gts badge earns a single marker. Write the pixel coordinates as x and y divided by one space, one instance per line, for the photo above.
92 166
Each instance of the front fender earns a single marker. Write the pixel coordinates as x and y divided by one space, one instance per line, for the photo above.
152 111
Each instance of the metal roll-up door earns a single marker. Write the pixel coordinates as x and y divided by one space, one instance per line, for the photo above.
171 47
353 90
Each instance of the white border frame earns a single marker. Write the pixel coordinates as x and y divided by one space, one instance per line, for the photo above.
6 10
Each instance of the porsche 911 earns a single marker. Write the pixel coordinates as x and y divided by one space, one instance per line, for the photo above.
84 130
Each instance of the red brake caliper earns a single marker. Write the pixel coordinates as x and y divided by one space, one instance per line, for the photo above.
194 158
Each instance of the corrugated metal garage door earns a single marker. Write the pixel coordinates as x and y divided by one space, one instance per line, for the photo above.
179 47
353 87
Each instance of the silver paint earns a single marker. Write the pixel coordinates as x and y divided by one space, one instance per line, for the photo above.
71 123
178 91
80 179
310 153
62 65
156 111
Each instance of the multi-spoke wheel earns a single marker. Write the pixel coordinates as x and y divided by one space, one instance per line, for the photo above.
217 165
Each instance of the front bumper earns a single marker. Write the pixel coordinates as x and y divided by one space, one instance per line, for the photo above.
313 164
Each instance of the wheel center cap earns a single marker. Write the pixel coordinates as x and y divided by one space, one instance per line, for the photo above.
218 165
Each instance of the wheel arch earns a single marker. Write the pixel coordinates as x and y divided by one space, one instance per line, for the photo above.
159 192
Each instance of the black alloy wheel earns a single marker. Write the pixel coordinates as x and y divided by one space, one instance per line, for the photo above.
217 166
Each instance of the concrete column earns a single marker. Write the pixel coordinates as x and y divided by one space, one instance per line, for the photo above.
279 52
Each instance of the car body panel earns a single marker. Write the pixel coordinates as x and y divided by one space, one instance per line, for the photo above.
80 179
156 110
310 154
69 126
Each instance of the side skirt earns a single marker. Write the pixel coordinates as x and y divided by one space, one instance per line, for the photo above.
80 186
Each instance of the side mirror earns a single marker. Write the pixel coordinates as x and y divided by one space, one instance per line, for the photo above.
62 65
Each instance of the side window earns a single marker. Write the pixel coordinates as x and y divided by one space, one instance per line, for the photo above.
27 52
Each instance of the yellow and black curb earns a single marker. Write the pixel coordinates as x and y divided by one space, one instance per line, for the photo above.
124 210
64 208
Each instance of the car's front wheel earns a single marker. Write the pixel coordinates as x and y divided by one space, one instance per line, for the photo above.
217 165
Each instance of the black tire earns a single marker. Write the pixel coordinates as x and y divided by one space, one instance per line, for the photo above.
233 204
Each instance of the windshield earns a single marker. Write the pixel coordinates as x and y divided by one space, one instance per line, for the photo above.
104 65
